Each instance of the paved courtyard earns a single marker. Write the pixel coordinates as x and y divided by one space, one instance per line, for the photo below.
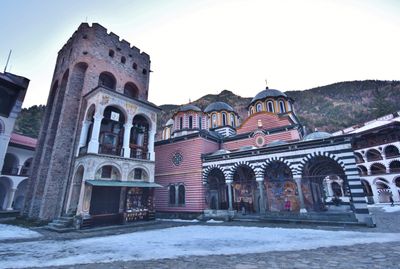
316 248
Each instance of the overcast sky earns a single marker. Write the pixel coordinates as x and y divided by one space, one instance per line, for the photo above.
200 47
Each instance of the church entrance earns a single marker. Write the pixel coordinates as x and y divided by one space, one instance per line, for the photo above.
245 191
104 205
216 196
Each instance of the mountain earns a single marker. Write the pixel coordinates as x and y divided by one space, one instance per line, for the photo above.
327 108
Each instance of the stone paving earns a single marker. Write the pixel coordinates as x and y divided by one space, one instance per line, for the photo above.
382 255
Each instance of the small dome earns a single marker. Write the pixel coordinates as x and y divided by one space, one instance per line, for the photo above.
189 108
276 143
316 136
218 106
267 93
170 122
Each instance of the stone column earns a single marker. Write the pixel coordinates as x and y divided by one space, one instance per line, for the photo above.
375 193
84 132
395 192
260 181
229 184
329 186
10 200
150 147
94 140
297 178
127 136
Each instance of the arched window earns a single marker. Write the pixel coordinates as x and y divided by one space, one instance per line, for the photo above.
190 122
373 155
123 59
111 53
181 123
200 123
378 168
214 120
107 172
359 158
233 120
134 66
258 107
112 131
270 106
131 90
391 151
223 119
394 167
282 107
139 139
181 195
26 167
144 72
107 80
172 195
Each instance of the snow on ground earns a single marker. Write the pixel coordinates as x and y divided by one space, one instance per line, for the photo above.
178 241
15 232
214 221
180 220
387 207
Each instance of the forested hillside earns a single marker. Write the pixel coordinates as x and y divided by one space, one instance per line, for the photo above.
327 108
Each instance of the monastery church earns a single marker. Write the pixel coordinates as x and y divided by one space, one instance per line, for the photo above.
97 161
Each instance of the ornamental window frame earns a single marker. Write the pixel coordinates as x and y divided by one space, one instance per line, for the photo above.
177 195
270 106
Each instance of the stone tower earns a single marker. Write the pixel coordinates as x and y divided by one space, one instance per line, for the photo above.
97 101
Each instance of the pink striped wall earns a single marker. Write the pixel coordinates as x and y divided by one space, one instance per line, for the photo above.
189 173
269 121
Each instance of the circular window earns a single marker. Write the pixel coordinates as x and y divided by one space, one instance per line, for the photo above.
260 141
177 159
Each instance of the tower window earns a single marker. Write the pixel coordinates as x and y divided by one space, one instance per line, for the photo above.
190 122
111 53
270 106
233 120
144 72
200 124
123 59
223 119
181 123
282 107
134 66
259 107
214 120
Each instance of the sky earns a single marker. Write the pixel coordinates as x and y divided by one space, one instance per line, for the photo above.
204 46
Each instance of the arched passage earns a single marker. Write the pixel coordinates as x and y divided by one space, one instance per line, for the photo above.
373 155
245 193
378 169
76 189
5 186
394 167
26 168
384 192
359 158
362 170
318 175
216 193
20 195
391 151
281 189
106 79
131 90
139 139
112 131
11 164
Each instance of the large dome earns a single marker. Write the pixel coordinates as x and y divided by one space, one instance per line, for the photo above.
189 108
316 136
267 93
218 106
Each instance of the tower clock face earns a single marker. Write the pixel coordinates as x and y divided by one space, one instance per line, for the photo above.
177 158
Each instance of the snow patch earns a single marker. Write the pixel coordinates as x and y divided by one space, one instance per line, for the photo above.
387 208
176 242
15 232
180 220
214 221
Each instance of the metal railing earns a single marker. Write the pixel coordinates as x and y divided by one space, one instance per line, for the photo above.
139 154
110 150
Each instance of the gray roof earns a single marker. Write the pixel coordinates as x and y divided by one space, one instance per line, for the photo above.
189 108
316 136
267 93
218 106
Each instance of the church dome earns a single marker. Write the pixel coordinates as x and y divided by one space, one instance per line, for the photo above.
218 106
316 136
189 108
268 93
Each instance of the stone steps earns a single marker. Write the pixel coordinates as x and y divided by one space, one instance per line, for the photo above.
62 224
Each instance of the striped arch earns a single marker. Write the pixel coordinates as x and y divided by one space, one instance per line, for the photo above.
207 170
277 159
244 163
318 154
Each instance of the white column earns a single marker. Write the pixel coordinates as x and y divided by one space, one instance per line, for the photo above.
375 193
150 146
260 181
301 197
94 140
84 133
229 184
10 200
127 136
329 185
395 192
